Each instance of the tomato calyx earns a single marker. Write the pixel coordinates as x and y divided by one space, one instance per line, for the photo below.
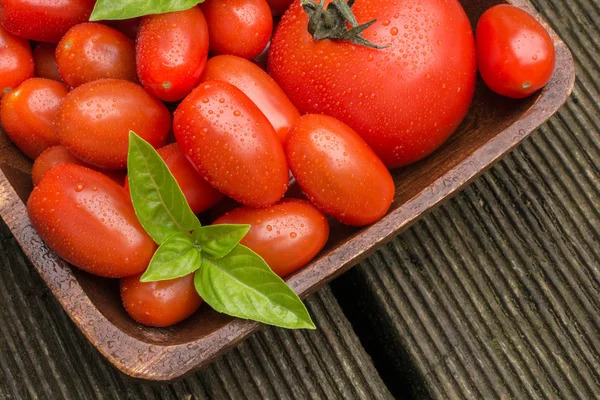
331 23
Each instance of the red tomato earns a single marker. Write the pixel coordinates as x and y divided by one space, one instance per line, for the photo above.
171 53
27 113
338 171
238 27
160 304
404 100
515 54
43 20
44 58
94 121
287 235
258 86
278 7
87 219
16 61
232 144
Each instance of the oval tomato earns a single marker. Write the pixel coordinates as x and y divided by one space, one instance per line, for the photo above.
171 53
87 219
338 171
258 86
515 54
278 7
16 61
44 58
94 121
232 144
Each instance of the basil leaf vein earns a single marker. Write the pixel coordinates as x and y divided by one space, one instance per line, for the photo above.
175 258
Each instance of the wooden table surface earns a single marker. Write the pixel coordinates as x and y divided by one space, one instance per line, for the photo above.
496 294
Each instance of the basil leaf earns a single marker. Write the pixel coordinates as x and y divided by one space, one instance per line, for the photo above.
241 284
218 240
157 199
175 258
120 9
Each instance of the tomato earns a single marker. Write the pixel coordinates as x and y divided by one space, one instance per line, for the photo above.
27 113
238 27
171 52
160 304
87 219
258 86
94 121
287 235
515 54
338 171
232 144
43 20
278 7
44 58
16 61
405 100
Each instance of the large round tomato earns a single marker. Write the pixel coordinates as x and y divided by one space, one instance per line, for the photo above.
16 61
406 99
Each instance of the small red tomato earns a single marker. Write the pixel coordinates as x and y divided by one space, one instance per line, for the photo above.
87 219
94 121
171 53
287 235
232 144
160 304
92 51
278 7
515 54
16 61
258 86
27 113
44 58
338 171
238 27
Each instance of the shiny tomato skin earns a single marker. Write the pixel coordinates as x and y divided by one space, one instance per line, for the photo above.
16 61
27 113
238 27
404 100
278 7
94 121
286 235
160 304
231 144
93 51
43 20
87 219
515 54
338 171
258 86
44 58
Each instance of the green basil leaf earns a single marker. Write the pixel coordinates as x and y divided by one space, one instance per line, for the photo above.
241 284
120 9
218 240
175 258
157 199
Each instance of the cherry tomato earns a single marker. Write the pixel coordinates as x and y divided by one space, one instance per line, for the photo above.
44 58
258 86
287 235
94 121
27 113
515 54
238 27
278 7
92 51
171 53
87 219
338 171
16 61
43 20
160 304
232 144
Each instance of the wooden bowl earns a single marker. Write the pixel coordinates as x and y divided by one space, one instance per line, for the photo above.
492 128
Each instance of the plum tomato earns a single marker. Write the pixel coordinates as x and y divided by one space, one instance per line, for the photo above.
43 20
258 86
27 113
44 58
171 52
515 54
160 304
16 61
287 235
87 219
94 121
278 7
238 27
338 171
232 144
93 51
